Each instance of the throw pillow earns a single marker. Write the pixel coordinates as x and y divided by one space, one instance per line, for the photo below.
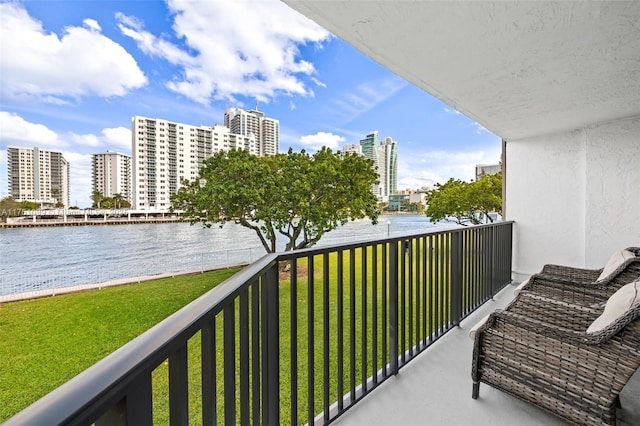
617 306
616 260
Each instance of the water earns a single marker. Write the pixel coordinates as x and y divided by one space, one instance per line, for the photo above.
53 257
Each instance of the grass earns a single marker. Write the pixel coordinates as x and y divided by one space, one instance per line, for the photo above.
46 342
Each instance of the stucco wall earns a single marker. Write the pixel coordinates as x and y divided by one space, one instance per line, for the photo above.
575 196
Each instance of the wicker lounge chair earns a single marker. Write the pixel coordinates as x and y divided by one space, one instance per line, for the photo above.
583 286
538 349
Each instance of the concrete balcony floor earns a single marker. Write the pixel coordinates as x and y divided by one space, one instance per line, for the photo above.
435 389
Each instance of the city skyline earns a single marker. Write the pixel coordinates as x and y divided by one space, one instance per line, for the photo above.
74 75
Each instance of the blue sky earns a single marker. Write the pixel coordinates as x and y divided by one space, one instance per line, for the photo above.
74 73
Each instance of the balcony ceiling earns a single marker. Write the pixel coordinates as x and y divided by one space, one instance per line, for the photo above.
520 69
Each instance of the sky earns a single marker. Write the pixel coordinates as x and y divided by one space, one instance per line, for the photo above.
74 73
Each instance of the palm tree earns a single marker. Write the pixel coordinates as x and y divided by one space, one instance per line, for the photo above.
97 198
117 198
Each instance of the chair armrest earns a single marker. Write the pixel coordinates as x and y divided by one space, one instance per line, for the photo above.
571 274
544 329
541 328
579 293
563 313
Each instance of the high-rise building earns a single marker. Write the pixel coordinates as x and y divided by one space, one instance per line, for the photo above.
266 130
38 176
487 169
164 153
111 174
352 148
384 155
389 154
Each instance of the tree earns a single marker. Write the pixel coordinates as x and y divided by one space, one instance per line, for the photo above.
293 195
107 203
97 198
9 207
117 200
55 192
486 194
465 202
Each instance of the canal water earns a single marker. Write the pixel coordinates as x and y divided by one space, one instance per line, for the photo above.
51 257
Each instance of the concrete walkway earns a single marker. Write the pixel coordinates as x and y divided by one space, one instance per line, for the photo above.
435 389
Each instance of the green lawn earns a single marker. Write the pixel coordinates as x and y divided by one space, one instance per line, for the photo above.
46 342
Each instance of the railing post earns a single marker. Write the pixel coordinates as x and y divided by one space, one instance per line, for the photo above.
178 387
116 416
487 247
509 250
229 357
207 348
491 253
456 277
393 306
270 348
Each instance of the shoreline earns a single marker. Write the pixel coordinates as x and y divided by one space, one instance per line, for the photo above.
52 292
125 221
115 221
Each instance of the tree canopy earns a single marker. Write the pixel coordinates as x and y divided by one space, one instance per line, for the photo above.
10 207
465 202
297 196
116 202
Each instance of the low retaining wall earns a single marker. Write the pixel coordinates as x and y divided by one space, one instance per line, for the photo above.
36 294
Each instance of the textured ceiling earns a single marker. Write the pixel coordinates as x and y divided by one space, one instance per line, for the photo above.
520 69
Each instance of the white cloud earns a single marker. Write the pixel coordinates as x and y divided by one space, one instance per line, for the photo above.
87 140
321 139
51 68
119 137
367 96
231 51
80 178
479 128
318 82
19 132
92 24
430 167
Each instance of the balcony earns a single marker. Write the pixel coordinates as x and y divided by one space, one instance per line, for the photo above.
377 307
387 321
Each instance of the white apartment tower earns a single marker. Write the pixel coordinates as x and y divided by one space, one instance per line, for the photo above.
385 158
266 130
38 176
389 154
352 148
487 169
111 174
165 152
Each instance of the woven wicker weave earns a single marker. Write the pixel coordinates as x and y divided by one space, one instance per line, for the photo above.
538 350
579 286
